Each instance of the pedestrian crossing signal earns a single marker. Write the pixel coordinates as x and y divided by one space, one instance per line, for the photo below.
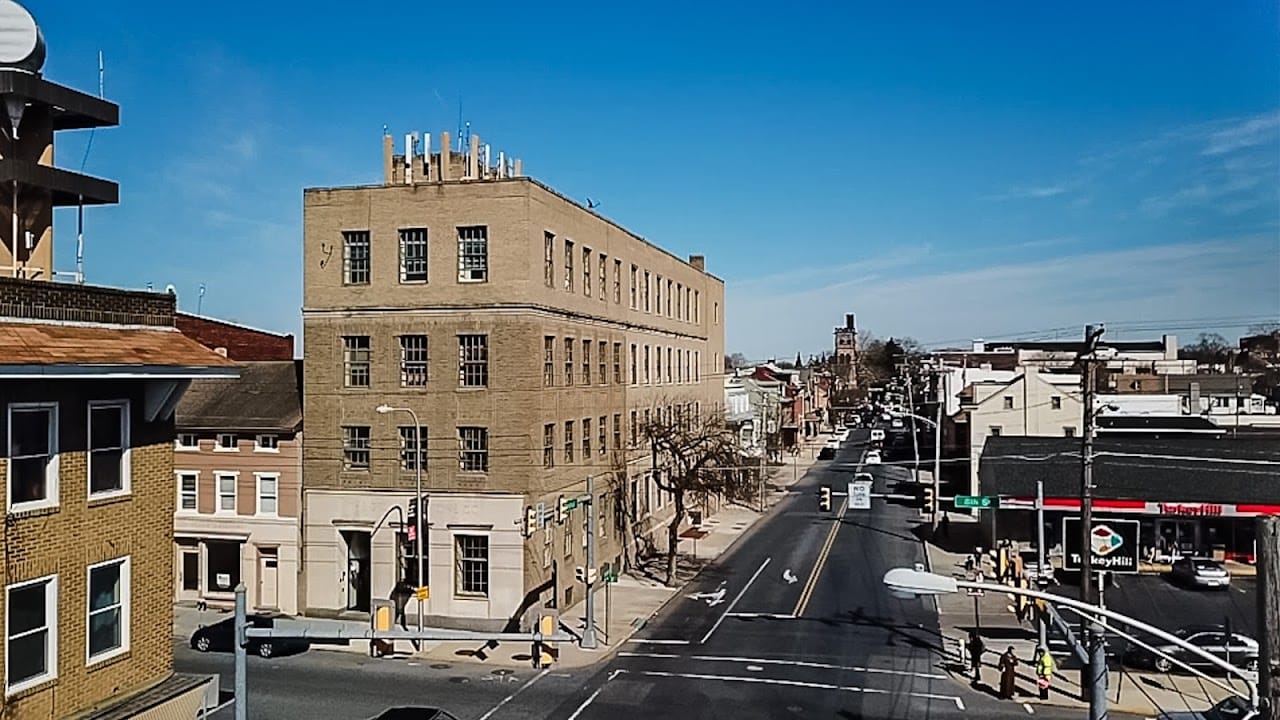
824 498
930 502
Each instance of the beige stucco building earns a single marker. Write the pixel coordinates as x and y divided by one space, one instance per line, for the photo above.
530 335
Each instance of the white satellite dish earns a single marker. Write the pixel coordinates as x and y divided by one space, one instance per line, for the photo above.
21 44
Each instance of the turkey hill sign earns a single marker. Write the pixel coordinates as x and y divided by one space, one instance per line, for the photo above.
1113 545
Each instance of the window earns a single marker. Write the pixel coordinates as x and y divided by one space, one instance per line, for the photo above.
413 360
108 609
996 430
604 265
31 633
697 306
657 361
635 430
668 365
473 564
633 364
549 259
644 291
548 361
1069 431
617 431
657 295
617 281
474 449
568 361
668 298
602 361
586 439
680 363
568 442
715 315
188 486
1055 402
646 364
586 362
679 302
1008 402
413 255
688 299
266 443
473 253
697 365
568 265
226 442
226 492
549 445
473 360
356 354
108 447
33 456
411 455
601 434
188 442
355 447
634 283
355 257
617 363
586 271
268 493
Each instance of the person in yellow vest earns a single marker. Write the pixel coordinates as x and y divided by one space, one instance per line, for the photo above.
1044 671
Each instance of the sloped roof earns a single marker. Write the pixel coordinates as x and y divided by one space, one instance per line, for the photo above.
266 396
48 349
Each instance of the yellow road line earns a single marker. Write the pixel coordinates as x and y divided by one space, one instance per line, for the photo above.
812 582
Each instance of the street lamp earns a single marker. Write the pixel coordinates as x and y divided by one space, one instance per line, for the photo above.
417 516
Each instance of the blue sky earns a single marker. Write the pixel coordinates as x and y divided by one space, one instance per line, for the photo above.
945 170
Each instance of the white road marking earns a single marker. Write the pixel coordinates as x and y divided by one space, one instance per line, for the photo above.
797 683
226 704
585 703
655 656
644 641
788 577
512 696
773 616
816 666
754 668
1028 708
736 598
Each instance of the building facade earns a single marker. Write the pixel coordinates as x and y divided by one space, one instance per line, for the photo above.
846 352
238 467
531 337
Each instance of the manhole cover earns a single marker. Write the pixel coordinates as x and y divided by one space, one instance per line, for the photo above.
441 666
503 672
459 680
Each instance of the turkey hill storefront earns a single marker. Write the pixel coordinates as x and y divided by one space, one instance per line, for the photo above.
1192 496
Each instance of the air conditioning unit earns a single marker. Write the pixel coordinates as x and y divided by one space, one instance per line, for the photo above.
473 274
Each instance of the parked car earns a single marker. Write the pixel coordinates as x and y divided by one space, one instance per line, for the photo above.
1200 573
415 713
1243 650
872 457
220 636
896 423
829 449
1231 708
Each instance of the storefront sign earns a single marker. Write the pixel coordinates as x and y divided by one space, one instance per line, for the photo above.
1113 545
1190 509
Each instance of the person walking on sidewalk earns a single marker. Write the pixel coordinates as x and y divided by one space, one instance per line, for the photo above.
976 648
400 595
1044 671
1008 674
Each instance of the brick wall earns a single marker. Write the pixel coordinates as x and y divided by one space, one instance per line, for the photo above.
241 343
77 533
43 300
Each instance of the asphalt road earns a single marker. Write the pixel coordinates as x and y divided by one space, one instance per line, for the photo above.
747 641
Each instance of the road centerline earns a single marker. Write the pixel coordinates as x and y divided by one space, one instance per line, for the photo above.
803 602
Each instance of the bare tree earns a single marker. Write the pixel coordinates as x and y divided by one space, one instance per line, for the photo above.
701 458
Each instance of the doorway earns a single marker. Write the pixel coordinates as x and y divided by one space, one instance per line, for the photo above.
358 570
188 572
269 578
1179 536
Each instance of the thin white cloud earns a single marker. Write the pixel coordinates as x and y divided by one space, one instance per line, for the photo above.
1035 192
1251 132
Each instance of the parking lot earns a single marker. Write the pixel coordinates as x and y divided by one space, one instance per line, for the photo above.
1156 601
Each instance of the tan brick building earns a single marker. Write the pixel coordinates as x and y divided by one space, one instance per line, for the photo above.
529 334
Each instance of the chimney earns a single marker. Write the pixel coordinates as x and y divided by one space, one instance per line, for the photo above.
473 158
443 172
848 322
699 262
1170 347
519 168
979 345
387 150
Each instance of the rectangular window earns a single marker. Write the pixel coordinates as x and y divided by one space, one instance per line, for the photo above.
1069 431
226 492
634 285
635 430
108 609
668 365
568 265
604 265
697 306
568 362
646 364
355 447
617 431
617 363
473 360
1008 402
644 292
680 363
697 365
669 285
188 441
996 430
617 281
188 488
473 564
413 255
1055 402
548 361
549 259
657 362
602 363
586 271
473 443
549 445
473 253
586 362
634 362
33 456
411 455
226 442
657 295
688 298
266 443
413 360
602 432
568 442
586 439
108 448
355 257
268 493
715 315
356 356
679 302
31 633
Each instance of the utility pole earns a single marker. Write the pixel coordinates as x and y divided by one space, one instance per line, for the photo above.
937 447
1041 561
1267 536
589 632
241 662
1094 676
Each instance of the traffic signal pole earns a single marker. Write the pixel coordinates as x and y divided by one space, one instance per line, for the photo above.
589 632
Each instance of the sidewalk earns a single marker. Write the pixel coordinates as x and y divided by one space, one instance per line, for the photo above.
631 601
1139 693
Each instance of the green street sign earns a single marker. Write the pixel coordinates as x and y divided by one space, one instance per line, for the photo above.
977 501
571 503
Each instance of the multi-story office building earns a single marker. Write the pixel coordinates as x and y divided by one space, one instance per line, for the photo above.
531 336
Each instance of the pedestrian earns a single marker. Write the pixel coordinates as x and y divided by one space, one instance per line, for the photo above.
976 648
1008 673
944 526
400 595
1044 671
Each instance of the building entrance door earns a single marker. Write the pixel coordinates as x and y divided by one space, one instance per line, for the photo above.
188 573
358 570
1179 536
268 578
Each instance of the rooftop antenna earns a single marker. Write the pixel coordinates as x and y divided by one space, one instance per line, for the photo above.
200 300
459 124
84 161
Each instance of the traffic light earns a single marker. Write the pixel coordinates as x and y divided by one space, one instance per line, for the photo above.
530 521
930 502
824 498
562 510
